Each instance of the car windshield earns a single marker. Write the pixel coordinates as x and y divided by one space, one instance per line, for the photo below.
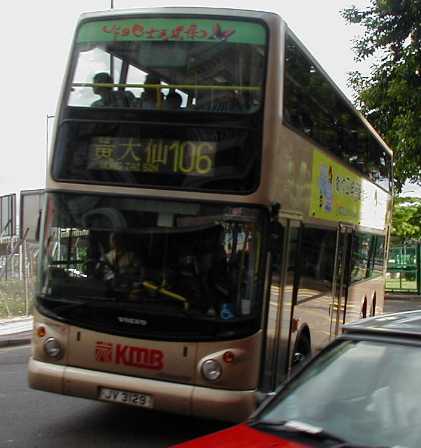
364 392
183 263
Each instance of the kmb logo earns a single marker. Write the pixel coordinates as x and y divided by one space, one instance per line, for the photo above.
129 356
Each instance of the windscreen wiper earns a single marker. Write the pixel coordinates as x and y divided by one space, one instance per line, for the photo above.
88 302
310 431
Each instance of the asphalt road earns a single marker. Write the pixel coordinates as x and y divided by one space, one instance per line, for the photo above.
35 419
394 304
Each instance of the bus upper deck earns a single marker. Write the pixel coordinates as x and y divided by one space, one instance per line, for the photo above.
194 100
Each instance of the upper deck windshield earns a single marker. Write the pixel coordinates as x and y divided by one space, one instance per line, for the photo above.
172 102
187 269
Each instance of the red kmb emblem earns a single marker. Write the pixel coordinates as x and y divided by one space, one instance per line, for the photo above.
104 352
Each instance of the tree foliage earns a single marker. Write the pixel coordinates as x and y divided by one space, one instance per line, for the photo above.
391 95
406 222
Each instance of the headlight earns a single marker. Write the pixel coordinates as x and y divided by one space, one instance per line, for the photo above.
53 348
211 370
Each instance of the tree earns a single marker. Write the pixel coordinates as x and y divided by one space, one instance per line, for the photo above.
406 222
390 96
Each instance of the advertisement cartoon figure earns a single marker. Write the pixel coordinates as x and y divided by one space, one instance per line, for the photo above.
326 188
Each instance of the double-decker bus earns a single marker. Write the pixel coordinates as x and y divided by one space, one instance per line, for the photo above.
215 210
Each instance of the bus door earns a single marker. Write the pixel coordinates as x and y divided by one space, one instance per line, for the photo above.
340 278
285 240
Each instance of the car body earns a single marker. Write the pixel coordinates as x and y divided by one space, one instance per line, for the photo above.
362 390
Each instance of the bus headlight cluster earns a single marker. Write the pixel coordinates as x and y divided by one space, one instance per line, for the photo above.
211 370
53 348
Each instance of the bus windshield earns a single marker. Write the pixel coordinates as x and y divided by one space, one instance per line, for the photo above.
164 102
169 64
191 269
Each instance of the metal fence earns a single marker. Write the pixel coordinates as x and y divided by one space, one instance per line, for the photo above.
18 267
404 269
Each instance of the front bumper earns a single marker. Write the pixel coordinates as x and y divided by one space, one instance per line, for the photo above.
169 397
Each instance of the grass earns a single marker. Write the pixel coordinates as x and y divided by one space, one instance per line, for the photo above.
397 284
12 298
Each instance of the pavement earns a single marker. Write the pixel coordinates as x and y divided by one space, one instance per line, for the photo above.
401 296
16 331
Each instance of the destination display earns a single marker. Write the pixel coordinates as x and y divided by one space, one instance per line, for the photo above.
193 158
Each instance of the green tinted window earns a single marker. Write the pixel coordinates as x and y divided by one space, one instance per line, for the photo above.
172 29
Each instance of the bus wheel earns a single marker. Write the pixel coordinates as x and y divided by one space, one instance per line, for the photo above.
302 351
373 306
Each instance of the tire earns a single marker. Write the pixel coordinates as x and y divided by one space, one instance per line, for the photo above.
302 351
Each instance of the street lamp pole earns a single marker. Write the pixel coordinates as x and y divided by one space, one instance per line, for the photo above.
47 142
111 57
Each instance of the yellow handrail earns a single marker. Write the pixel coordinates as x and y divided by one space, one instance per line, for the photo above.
166 292
170 86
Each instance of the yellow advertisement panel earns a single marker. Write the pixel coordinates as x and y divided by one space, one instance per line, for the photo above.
338 194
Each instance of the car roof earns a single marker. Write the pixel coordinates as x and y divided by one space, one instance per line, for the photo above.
407 323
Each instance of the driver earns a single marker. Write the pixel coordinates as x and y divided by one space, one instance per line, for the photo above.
121 264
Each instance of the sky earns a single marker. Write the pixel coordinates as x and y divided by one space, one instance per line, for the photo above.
35 48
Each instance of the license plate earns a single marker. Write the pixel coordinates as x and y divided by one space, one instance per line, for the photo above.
121 396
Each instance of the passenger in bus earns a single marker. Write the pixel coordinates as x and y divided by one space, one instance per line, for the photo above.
130 96
149 98
108 96
173 100
225 101
203 274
